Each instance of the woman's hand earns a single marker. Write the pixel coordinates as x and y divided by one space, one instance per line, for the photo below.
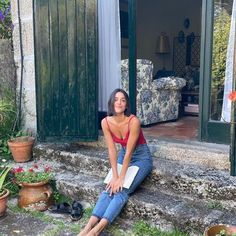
111 184
115 185
118 185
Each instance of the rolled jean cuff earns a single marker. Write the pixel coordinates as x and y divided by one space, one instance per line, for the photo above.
109 222
99 217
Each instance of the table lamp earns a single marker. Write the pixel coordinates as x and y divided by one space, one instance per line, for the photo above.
163 47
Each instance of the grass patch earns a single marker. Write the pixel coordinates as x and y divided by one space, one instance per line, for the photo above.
60 225
215 205
115 231
143 228
140 228
52 232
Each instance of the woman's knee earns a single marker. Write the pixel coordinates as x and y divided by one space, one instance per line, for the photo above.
122 196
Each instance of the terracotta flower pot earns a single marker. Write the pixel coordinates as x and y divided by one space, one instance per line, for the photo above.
3 202
35 196
21 148
215 229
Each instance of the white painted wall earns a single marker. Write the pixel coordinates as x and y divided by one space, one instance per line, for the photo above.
28 98
156 16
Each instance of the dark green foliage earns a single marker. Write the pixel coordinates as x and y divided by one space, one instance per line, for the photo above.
6 25
58 197
8 116
220 43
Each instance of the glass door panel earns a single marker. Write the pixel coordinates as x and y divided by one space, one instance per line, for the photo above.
221 28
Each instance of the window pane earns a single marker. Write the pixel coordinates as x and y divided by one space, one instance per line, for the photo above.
221 28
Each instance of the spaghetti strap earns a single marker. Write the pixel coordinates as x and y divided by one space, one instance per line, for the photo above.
130 120
108 124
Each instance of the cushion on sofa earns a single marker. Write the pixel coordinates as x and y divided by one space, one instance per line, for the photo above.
174 83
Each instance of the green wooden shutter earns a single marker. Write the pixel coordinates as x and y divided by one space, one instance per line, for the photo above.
66 69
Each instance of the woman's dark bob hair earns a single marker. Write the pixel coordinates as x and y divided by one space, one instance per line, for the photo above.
111 101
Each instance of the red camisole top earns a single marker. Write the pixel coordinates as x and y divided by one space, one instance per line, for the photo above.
123 142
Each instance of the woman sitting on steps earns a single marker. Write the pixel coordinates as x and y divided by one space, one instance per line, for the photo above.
120 126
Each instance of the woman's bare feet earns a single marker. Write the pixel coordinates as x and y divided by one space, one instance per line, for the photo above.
84 232
96 230
91 223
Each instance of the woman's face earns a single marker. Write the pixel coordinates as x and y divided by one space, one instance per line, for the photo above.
120 103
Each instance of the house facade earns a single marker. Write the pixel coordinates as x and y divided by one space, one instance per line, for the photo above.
56 54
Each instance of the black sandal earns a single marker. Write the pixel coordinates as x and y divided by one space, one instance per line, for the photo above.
62 208
76 204
77 211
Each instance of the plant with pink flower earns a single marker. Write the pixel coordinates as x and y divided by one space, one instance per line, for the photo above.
33 174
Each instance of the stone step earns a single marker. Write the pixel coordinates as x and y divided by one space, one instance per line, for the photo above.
206 154
192 215
179 176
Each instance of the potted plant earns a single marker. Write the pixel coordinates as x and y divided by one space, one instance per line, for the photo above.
4 193
220 230
21 147
36 192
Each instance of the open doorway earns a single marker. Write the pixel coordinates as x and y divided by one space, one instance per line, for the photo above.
180 23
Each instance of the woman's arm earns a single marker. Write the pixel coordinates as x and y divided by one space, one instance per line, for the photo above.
131 144
111 147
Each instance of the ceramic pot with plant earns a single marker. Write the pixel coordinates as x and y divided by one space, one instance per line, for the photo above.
21 148
220 230
4 193
36 192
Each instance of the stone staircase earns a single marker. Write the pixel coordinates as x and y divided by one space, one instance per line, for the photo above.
189 188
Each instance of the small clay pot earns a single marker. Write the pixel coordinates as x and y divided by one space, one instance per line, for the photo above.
21 148
3 202
215 229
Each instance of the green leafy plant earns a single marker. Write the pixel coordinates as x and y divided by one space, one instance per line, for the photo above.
8 117
6 25
224 233
4 146
22 136
33 174
3 175
59 197
22 133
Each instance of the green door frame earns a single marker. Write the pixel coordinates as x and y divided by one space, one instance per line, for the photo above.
132 54
209 130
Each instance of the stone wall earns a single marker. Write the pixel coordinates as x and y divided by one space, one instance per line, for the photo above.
7 67
28 78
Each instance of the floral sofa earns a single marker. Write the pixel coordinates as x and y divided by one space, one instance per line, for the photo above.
157 100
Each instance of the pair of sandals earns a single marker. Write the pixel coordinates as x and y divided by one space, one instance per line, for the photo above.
75 209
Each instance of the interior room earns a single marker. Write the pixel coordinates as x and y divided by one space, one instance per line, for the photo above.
169 35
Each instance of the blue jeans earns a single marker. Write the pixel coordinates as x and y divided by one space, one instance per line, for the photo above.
109 207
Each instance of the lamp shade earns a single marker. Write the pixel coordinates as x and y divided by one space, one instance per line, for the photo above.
163 44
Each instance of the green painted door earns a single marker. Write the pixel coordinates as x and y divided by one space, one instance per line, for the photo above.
66 69
216 25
